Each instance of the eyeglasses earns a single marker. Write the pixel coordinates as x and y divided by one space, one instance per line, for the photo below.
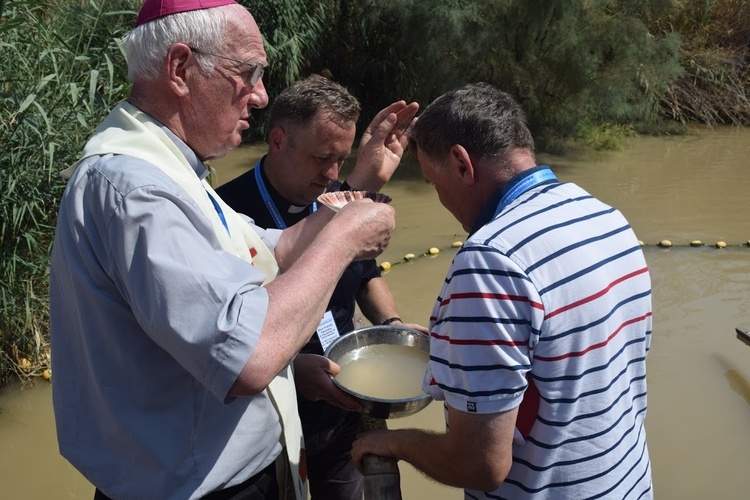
255 70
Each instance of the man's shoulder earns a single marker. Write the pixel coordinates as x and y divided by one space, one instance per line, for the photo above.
243 181
122 172
240 193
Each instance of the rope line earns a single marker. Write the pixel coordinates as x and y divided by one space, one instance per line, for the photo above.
386 266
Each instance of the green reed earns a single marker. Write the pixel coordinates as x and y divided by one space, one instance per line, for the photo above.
61 69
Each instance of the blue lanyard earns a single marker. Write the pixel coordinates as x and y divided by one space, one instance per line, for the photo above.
220 212
270 205
533 180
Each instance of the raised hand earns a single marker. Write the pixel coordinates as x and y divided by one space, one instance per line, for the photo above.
382 145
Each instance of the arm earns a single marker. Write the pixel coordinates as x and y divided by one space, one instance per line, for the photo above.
475 454
382 146
361 230
377 303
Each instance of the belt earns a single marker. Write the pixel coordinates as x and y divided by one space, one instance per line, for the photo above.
261 486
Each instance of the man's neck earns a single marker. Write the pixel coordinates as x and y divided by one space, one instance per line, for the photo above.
275 187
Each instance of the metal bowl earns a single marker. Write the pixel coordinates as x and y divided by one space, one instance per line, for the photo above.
374 335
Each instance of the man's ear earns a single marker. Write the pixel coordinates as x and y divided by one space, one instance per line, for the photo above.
178 64
462 164
276 138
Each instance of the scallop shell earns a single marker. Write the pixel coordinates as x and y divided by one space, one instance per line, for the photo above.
335 200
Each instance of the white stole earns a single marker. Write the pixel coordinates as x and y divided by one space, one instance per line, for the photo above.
129 131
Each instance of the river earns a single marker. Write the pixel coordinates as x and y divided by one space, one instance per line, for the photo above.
682 188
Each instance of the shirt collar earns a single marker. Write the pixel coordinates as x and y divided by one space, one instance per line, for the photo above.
488 211
282 204
200 168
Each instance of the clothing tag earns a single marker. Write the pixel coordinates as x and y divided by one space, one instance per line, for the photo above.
327 331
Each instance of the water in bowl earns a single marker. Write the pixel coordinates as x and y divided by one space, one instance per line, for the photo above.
384 371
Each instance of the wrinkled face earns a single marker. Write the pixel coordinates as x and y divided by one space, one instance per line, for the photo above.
451 190
306 159
222 100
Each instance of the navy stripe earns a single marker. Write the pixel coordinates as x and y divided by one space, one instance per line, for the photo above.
548 446
583 480
582 416
589 269
497 392
537 213
483 319
487 272
588 371
637 482
476 368
549 229
588 458
635 464
601 320
574 246
508 211
593 392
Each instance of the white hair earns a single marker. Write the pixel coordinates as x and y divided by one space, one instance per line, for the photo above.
147 45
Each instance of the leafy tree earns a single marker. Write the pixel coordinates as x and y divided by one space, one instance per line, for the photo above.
568 61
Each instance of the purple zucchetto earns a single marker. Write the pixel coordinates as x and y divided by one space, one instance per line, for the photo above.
153 9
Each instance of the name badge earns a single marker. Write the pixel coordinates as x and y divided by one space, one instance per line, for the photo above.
327 331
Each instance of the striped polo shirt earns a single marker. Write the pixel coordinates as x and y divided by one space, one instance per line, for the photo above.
548 306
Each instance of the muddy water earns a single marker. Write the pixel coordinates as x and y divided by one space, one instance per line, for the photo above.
681 189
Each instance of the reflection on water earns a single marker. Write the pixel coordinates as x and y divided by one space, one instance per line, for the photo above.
739 384
678 188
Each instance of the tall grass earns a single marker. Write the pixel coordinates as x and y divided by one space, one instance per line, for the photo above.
61 69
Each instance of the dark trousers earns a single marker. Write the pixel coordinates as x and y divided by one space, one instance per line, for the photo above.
331 472
261 486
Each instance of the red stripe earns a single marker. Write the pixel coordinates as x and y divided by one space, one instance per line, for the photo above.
478 342
595 346
529 408
597 294
496 296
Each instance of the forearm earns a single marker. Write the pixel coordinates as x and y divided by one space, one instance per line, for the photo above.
475 454
296 302
376 301
433 455
296 239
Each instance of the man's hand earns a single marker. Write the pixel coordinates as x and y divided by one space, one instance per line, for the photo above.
369 226
382 146
371 443
312 374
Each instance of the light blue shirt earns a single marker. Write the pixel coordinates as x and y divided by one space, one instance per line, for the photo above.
151 324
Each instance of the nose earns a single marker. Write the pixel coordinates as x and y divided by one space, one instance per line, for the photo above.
331 172
259 96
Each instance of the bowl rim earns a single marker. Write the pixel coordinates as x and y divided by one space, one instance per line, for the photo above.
373 399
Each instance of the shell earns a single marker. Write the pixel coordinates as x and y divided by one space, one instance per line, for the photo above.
336 200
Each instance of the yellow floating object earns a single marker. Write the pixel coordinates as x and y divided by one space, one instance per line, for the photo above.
385 266
721 244
665 243
433 251
410 256
696 243
641 243
24 363
459 244
47 374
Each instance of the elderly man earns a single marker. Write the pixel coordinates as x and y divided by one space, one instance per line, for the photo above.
540 332
311 131
171 339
